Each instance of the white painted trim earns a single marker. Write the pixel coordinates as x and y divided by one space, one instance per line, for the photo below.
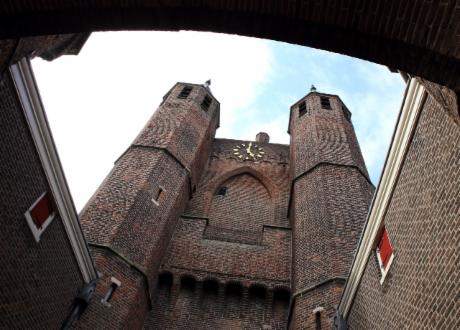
37 232
410 109
116 281
29 97
318 310
384 271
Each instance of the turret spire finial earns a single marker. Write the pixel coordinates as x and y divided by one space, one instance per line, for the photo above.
312 88
207 83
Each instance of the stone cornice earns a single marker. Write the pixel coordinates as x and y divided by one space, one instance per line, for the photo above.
314 167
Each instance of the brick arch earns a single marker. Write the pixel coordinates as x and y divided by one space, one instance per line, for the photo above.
258 290
418 37
210 278
165 277
240 214
233 287
216 183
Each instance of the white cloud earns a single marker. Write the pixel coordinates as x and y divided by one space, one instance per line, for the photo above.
371 92
98 101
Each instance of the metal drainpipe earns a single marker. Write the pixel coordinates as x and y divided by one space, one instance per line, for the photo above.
80 303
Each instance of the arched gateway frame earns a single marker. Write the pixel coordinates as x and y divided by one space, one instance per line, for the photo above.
418 37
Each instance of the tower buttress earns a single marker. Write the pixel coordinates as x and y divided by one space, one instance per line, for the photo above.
130 219
330 196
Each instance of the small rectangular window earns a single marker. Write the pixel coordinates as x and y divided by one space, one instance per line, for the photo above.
325 103
114 285
302 109
384 253
185 92
206 103
40 215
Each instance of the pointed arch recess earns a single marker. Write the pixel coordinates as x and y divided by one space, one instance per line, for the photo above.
217 182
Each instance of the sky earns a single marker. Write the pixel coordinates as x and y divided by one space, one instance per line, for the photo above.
97 102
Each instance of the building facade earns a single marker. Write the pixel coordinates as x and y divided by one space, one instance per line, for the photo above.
190 231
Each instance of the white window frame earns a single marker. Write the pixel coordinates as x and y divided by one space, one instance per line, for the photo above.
384 271
37 232
33 110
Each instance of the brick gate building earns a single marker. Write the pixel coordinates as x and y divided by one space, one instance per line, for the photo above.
225 234
168 241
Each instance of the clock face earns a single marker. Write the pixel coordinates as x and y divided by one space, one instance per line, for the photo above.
248 151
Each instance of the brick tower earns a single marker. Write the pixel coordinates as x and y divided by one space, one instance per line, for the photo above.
189 231
330 197
130 219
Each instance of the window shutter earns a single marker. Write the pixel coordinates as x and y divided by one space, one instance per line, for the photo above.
385 249
41 211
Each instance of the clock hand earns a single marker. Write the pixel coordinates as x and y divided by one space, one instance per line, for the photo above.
250 152
249 148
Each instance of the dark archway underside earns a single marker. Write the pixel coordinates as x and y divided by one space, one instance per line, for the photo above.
416 36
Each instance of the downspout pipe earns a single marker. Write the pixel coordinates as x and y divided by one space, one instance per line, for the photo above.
79 305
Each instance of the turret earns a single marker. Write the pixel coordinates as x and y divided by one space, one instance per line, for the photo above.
130 220
330 196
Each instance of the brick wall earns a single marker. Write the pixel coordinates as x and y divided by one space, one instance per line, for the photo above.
129 220
330 198
421 289
38 281
419 37
242 238
48 47
308 304
205 306
322 135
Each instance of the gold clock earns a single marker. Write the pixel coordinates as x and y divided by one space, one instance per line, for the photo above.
248 151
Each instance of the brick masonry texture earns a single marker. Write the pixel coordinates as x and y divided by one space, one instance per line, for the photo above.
216 249
38 281
322 135
421 289
330 199
130 220
47 47
129 304
206 280
416 36
306 305
243 237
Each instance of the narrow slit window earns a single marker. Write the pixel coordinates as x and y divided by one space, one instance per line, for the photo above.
302 109
185 92
317 312
158 196
325 103
222 191
318 320
206 103
110 292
